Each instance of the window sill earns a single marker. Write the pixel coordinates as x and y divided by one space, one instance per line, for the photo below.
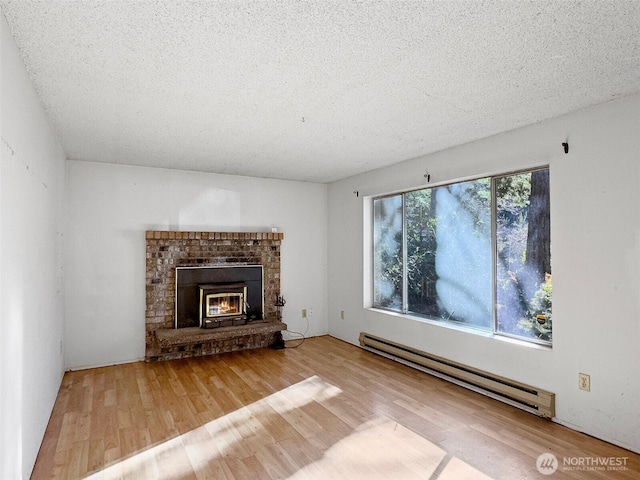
460 328
524 343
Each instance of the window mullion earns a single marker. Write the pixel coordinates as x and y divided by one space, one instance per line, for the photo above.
494 254
405 270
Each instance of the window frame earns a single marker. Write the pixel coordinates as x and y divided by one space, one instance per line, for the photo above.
404 311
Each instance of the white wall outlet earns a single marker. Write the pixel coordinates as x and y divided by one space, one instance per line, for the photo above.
341 314
310 312
584 382
304 313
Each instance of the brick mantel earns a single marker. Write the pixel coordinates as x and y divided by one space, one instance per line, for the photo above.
166 250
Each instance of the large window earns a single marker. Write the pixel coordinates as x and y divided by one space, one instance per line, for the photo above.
473 253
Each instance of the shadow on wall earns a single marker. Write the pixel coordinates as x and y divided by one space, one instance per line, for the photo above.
214 207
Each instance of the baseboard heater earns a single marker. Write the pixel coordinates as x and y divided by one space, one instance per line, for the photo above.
517 394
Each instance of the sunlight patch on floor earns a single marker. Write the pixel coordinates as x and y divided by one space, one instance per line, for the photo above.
377 449
220 437
384 449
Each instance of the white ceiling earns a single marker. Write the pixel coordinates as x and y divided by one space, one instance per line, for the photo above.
313 90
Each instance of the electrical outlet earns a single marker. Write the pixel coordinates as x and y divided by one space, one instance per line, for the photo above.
341 314
584 382
310 312
304 313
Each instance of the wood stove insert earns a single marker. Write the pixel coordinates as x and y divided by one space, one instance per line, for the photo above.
218 296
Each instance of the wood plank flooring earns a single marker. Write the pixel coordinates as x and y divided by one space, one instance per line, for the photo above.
325 410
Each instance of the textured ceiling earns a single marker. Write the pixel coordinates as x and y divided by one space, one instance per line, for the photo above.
313 90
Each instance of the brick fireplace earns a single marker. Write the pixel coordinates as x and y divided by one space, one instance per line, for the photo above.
167 250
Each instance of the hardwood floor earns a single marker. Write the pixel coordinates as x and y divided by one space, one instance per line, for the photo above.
325 410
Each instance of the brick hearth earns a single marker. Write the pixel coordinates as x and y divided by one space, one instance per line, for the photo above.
167 250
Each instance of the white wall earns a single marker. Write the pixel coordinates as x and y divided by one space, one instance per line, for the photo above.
595 229
31 276
111 206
